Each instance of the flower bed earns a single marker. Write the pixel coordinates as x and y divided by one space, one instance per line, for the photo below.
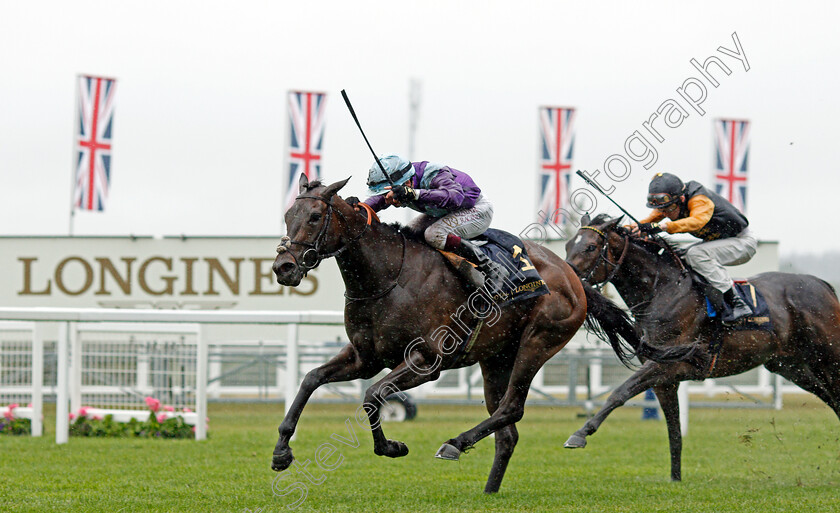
158 424
14 424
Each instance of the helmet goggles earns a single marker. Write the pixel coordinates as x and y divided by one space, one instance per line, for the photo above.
661 200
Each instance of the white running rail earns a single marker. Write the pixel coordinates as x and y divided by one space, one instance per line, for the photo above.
68 318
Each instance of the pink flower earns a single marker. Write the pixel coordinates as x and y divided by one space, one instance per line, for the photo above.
161 418
83 411
13 406
71 415
8 414
187 410
153 404
97 417
193 429
168 408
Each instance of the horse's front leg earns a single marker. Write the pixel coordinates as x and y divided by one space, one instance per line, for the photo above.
405 376
345 366
651 374
669 401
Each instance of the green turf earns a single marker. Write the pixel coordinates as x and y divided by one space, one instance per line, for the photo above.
733 461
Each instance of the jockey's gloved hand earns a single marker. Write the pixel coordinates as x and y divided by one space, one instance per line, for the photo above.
353 201
404 193
649 228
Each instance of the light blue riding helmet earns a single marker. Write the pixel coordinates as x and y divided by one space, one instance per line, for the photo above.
398 168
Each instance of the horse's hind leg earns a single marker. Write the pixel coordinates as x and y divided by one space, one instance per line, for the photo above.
539 343
669 401
406 375
496 376
802 376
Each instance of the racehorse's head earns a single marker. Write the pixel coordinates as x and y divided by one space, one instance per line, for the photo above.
593 251
313 230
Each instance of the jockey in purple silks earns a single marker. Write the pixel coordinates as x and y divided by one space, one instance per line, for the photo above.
452 205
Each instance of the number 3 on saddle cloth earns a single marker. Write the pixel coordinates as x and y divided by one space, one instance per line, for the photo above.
524 282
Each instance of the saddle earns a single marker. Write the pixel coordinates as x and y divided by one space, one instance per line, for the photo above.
760 318
507 250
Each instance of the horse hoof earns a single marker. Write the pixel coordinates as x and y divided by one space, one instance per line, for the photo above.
575 442
393 449
281 460
448 452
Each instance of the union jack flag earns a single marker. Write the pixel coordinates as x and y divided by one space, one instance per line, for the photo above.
732 149
306 139
557 137
93 142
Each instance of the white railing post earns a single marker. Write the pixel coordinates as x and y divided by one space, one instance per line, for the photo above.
62 421
596 376
75 368
682 400
292 367
201 385
38 379
777 392
214 370
764 381
292 362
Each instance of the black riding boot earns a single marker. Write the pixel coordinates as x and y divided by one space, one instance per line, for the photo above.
494 274
738 309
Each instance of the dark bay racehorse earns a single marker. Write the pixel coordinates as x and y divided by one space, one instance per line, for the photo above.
403 306
803 347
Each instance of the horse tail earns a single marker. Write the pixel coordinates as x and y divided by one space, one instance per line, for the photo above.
612 324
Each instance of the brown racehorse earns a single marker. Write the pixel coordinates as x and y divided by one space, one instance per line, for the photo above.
803 347
401 301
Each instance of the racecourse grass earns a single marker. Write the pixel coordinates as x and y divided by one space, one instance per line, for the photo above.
733 461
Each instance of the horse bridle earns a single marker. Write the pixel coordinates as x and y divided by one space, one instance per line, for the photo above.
617 265
603 256
313 249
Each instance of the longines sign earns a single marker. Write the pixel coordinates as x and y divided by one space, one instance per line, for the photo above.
145 272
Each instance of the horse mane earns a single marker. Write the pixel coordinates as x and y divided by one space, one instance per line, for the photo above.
410 232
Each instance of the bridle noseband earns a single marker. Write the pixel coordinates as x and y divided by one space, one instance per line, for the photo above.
312 255
603 257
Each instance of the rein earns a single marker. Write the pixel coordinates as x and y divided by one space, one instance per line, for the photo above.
604 256
313 250
349 299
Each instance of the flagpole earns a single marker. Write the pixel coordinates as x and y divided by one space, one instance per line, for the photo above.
286 172
74 159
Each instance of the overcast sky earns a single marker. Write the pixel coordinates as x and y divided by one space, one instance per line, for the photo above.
200 127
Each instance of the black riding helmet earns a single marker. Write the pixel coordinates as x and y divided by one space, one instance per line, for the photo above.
665 189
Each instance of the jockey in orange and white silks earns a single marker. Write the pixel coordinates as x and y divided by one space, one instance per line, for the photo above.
727 240
453 207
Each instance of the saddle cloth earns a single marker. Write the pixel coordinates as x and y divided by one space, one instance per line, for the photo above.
759 320
508 250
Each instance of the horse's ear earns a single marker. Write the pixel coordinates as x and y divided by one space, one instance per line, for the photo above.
584 221
303 183
613 223
331 189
